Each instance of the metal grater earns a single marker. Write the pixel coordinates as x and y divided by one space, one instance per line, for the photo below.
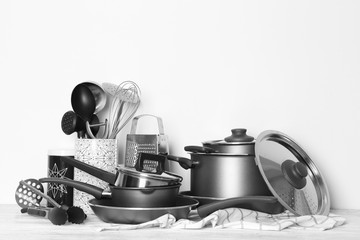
144 143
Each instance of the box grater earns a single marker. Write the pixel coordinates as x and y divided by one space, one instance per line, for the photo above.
145 143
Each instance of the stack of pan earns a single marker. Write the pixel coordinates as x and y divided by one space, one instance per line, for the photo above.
136 197
129 192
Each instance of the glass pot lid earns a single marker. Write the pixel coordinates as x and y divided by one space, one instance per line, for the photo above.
291 175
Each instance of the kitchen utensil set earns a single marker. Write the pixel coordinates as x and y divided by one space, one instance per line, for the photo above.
294 182
270 174
88 99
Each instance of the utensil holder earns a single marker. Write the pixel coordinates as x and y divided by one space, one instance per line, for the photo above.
100 153
146 143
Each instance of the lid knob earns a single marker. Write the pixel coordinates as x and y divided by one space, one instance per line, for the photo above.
239 135
295 173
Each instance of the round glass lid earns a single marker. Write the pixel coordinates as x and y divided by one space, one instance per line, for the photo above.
291 175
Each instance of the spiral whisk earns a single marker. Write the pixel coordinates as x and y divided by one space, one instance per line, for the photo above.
125 102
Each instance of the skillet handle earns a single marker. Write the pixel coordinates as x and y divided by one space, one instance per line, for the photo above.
94 171
267 204
84 187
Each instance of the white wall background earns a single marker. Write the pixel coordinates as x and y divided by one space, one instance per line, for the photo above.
203 66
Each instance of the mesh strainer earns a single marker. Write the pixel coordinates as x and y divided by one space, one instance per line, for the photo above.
291 175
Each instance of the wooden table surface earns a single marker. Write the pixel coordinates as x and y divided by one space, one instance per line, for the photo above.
15 225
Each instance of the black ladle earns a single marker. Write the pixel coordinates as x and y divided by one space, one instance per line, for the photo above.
99 95
71 123
83 102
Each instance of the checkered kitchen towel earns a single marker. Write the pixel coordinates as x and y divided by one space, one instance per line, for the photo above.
237 218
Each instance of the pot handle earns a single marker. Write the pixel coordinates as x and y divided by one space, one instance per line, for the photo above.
94 171
267 204
158 160
183 162
199 149
84 187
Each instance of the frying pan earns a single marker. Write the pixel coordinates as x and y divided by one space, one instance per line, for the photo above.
160 196
107 212
137 205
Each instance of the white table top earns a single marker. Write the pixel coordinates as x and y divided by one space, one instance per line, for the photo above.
15 225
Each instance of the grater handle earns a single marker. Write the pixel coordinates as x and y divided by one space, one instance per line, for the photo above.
136 119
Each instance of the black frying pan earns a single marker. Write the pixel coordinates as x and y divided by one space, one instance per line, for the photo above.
161 196
107 212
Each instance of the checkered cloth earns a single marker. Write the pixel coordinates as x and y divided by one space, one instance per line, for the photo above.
237 218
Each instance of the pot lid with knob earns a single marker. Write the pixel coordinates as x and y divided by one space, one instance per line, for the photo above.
238 143
291 175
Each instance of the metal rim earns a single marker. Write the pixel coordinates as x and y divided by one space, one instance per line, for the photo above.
191 203
190 195
230 148
148 176
313 198
150 188
222 142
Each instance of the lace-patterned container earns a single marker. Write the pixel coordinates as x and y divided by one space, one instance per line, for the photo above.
100 153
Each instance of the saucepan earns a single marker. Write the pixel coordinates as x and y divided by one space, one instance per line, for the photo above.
159 196
231 165
126 177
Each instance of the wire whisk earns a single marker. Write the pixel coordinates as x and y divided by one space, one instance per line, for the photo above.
125 102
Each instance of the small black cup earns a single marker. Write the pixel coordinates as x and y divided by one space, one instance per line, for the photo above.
61 193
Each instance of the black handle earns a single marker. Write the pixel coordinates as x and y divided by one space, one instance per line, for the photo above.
267 204
199 149
84 187
184 162
94 171
36 211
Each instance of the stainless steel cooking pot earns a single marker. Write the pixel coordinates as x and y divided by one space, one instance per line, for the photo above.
126 177
226 168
